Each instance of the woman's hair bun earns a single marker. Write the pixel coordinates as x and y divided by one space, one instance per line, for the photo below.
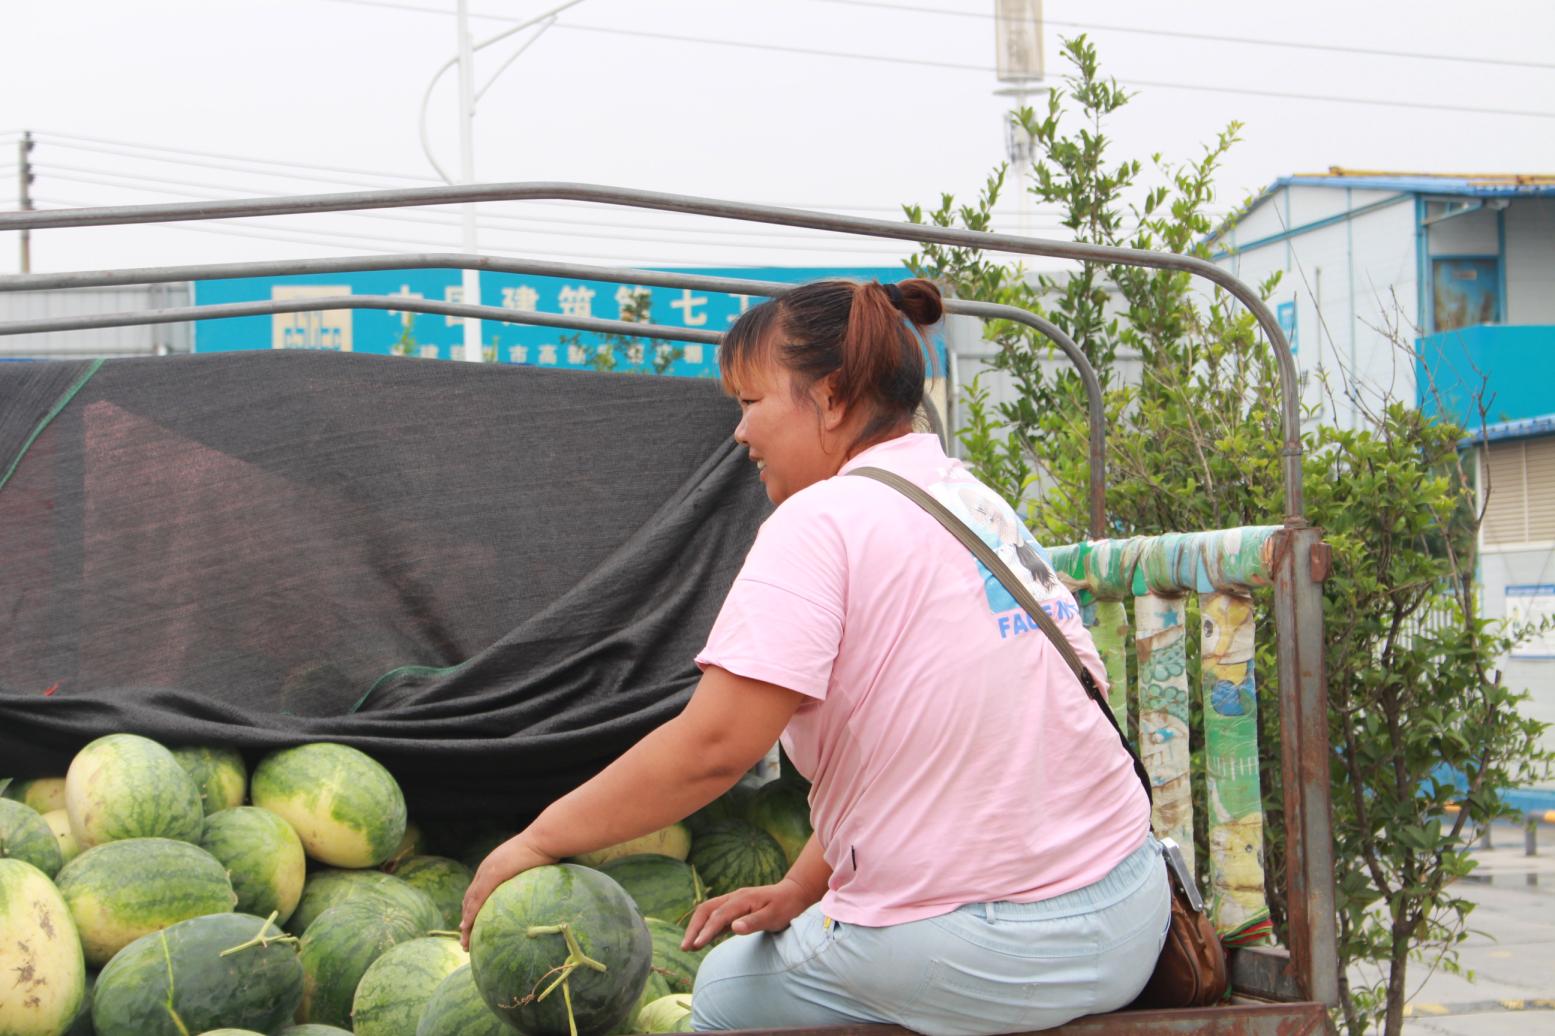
920 301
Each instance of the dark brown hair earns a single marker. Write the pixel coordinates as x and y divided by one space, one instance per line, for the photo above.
867 334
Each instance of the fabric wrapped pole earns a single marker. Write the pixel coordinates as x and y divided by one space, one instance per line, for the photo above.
492 579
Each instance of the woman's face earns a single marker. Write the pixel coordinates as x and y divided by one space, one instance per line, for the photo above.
795 442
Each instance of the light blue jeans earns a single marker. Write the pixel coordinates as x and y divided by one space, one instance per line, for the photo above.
983 968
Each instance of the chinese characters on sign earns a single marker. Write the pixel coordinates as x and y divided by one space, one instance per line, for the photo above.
436 336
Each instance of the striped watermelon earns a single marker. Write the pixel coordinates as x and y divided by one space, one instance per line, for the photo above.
667 1014
736 854
59 822
661 886
120 891
41 793
480 843
456 1008
42 976
177 982
346 808
126 786
412 843
728 806
677 966
395 988
263 857
519 939
25 835
674 841
328 888
782 810
219 774
337 950
443 879
652 990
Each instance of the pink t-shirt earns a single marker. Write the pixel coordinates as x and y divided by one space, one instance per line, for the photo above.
954 756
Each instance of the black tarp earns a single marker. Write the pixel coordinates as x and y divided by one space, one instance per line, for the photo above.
492 579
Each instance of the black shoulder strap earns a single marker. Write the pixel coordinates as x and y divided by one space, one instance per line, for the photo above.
1018 590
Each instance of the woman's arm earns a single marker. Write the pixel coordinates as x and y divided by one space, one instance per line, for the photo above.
729 724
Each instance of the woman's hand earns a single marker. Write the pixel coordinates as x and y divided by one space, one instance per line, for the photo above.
764 908
512 857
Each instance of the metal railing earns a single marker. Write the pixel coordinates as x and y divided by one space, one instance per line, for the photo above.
1299 559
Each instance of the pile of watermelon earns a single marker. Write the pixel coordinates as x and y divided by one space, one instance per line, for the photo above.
169 890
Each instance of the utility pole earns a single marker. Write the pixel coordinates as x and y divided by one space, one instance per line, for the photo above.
25 177
1018 50
471 278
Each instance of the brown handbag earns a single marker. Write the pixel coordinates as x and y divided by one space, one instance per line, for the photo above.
1191 971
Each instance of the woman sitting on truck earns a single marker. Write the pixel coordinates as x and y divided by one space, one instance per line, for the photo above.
982 859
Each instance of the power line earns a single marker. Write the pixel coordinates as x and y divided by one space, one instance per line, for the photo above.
115 148
969 67
249 159
342 240
1207 37
89 175
660 235
1129 81
834 247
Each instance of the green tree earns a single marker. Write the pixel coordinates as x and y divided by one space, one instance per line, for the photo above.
630 353
1193 444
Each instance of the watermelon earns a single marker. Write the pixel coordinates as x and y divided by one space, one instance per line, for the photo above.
82 1026
481 843
326 888
221 970
59 822
677 966
346 808
120 891
667 1014
41 793
728 806
311 1029
411 844
263 857
231 1032
566 917
736 854
661 886
457 1009
782 810
443 879
395 988
218 773
25 835
653 989
674 841
337 950
126 786
42 975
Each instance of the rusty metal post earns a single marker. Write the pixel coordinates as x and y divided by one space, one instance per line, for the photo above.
1300 566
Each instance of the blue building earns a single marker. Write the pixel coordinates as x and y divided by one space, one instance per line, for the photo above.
1440 290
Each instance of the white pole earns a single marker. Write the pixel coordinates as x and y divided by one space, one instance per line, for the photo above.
472 289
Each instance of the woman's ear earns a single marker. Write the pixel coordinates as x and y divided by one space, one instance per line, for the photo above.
833 412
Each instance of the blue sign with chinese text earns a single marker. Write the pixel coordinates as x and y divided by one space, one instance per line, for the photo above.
435 336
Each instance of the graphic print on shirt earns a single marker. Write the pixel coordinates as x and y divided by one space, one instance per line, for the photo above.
995 523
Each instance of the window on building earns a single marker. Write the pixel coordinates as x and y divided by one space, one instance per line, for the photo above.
1520 479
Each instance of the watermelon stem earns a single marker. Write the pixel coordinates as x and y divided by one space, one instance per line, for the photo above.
576 959
261 940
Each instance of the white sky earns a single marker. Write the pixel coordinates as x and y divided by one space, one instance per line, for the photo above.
339 83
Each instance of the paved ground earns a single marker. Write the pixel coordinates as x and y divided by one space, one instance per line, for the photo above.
1512 952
